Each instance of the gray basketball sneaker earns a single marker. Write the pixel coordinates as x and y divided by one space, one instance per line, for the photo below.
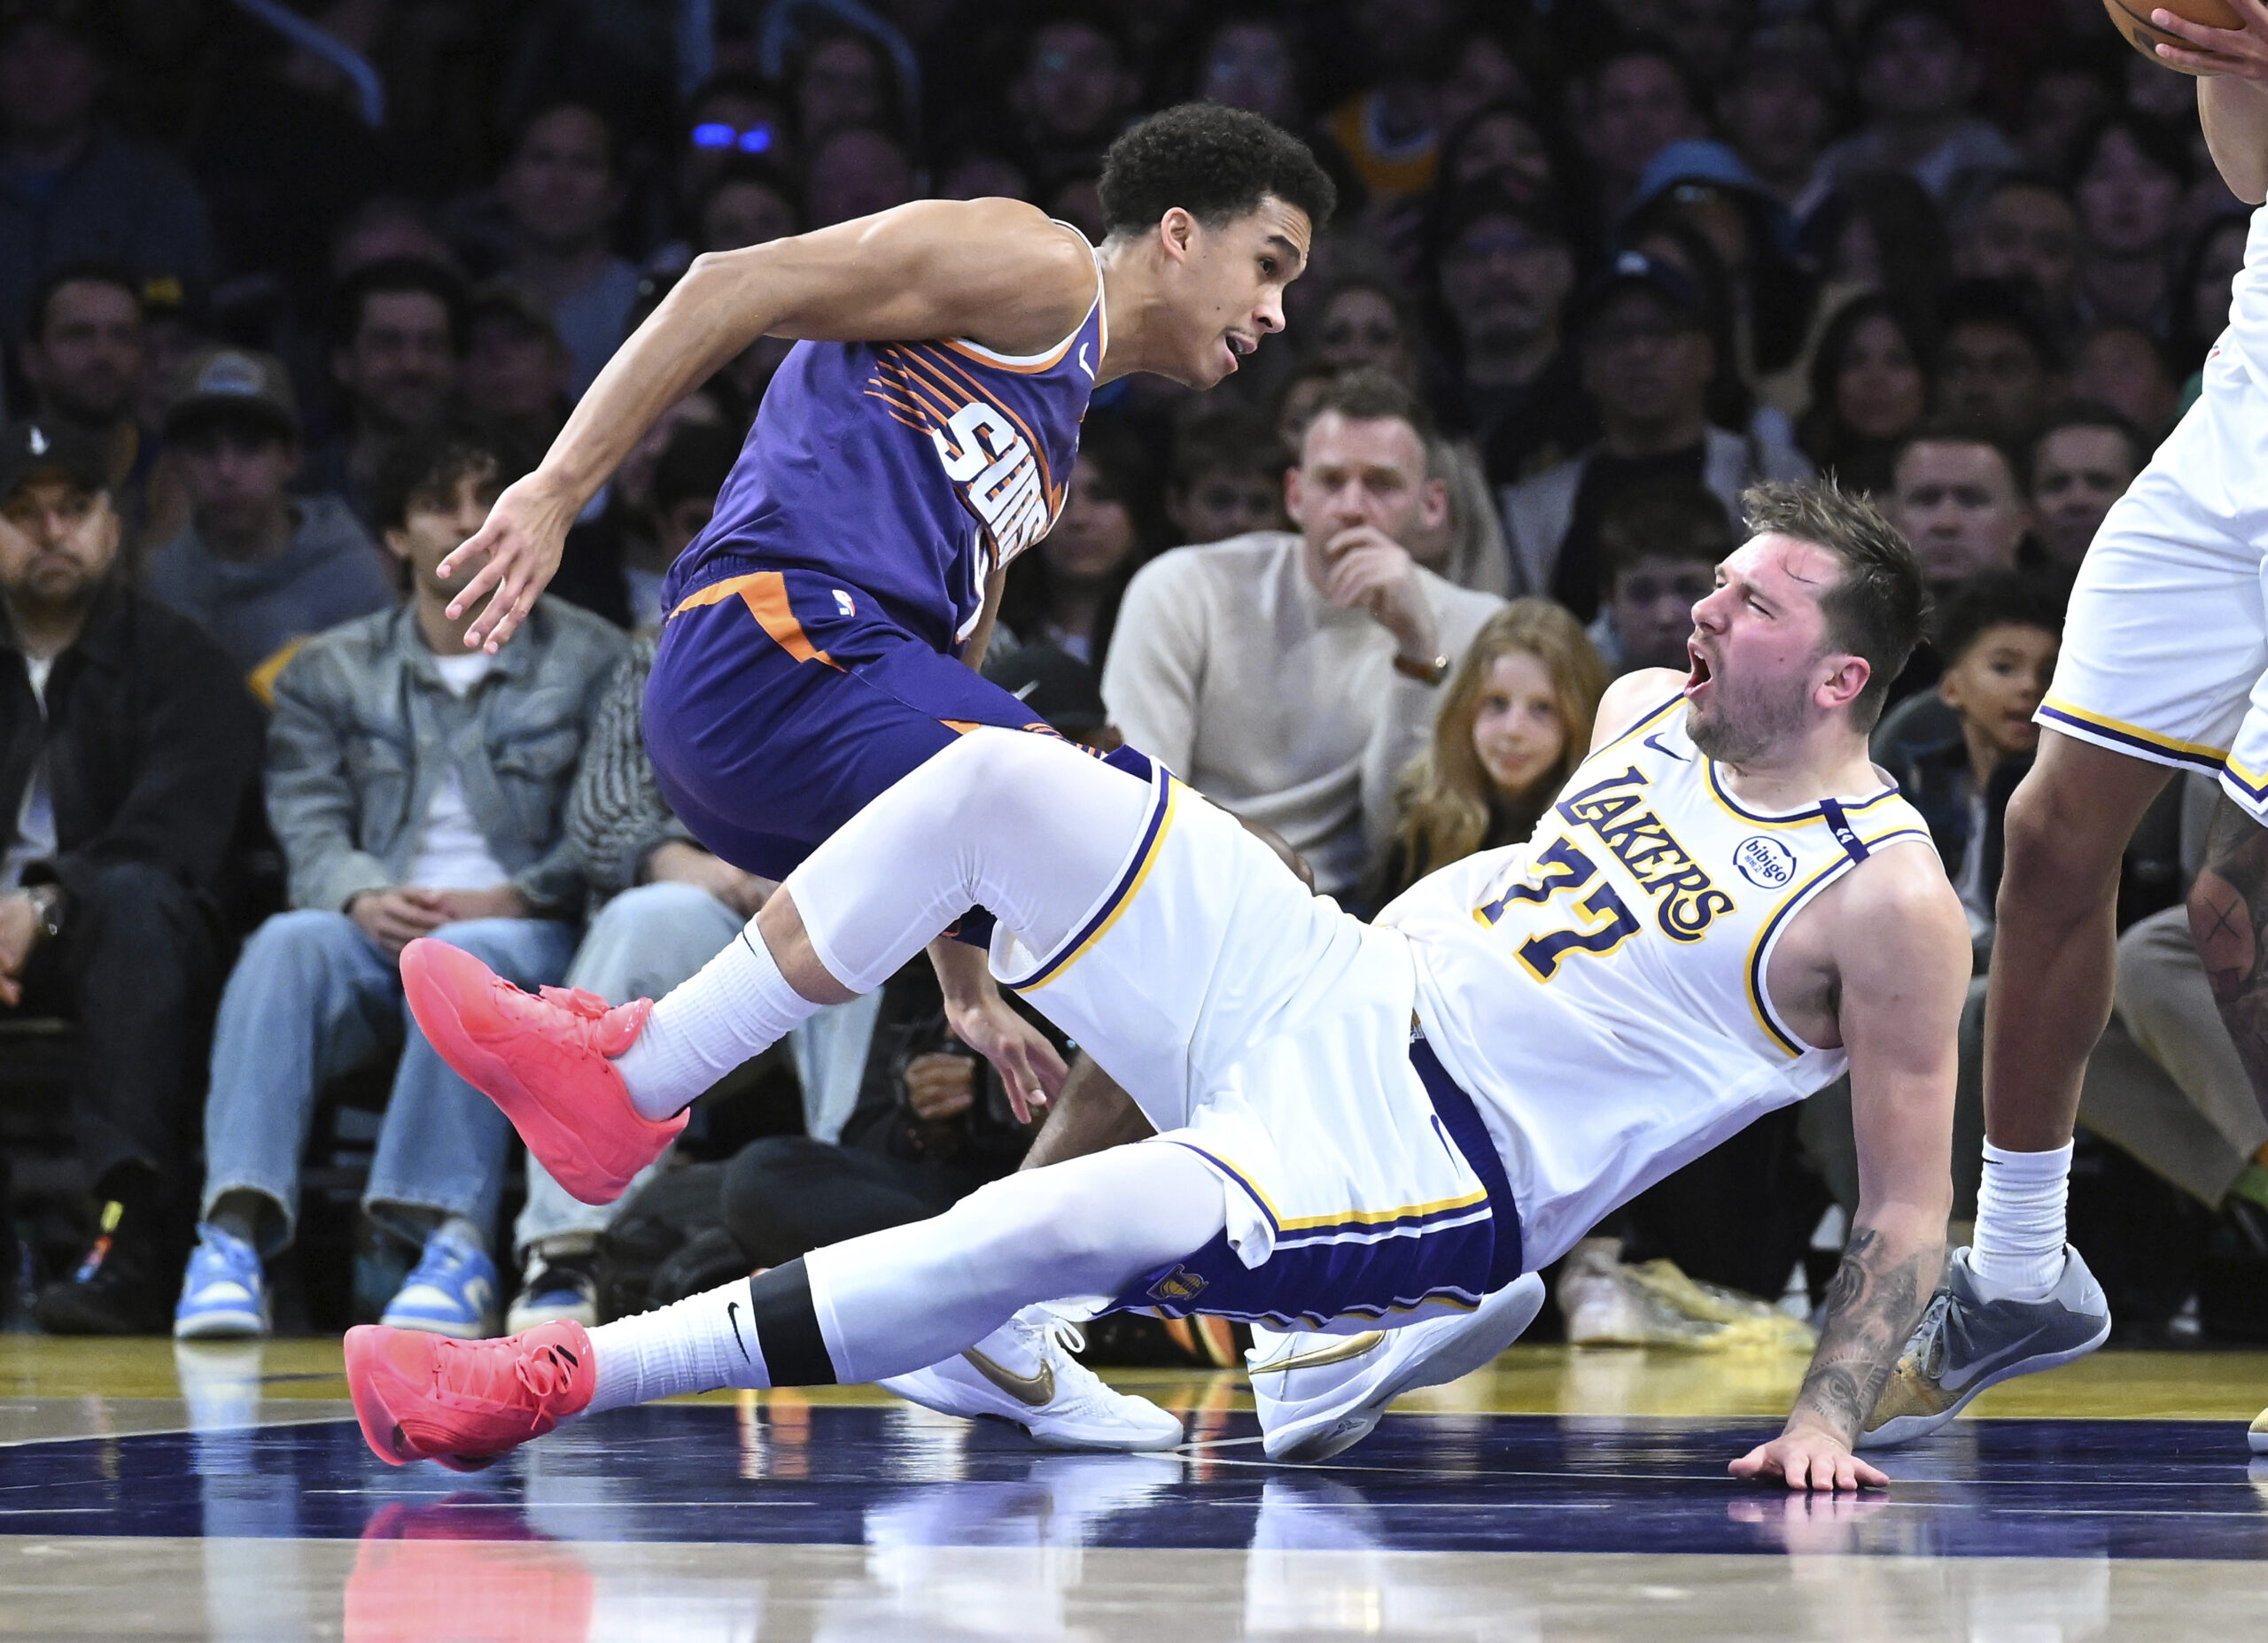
1965 1344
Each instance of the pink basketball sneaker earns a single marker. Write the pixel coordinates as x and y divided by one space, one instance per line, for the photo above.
423 1396
546 1058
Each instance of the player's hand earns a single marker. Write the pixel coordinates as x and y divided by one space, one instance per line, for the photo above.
1808 1458
1368 571
2241 53
18 934
517 552
1027 1063
940 1086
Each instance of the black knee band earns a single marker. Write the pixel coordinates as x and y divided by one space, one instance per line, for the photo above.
786 1328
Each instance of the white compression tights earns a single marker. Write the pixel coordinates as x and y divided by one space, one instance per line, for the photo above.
1023 825
898 1300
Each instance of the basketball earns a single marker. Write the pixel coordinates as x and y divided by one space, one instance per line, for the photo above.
2131 19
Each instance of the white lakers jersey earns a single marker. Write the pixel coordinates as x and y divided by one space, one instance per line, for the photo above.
1599 990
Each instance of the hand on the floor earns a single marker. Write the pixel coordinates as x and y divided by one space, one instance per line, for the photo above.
1809 1459
1027 1063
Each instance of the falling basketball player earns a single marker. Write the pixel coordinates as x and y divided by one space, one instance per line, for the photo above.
1370 1135
824 631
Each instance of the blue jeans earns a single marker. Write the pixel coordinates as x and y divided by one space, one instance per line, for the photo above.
312 998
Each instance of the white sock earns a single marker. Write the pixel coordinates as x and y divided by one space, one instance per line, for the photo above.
698 1344
2018 1253
738 1005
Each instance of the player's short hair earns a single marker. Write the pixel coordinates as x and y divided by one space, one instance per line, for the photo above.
1368 394
428 463
1214 163
1674 519
1881 606
1993 598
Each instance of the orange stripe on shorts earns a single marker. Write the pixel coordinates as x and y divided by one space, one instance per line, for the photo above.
765 592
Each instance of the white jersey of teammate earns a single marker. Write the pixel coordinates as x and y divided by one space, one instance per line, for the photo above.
1601 990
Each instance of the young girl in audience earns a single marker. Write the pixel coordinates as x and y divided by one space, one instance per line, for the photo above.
1515 720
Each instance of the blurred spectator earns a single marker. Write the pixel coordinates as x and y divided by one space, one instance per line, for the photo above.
82 355
2201 296
561 192
1705 188
1390 131
1918 78
2083 458
1635 103
385 230
856 174
1071 96
1066 590
71 187
2070 88
1077 200
1662 542
749 203
1290 677
1467 547
1297 399
1515 720
2125 367
841 78
128 748
1228 476
1249 59
729 118
1869 388
1647 360
1480 68
2025 228
1505 147
416 787
1361 320
691 469
517 370
1998 635
258 568
1958 493
2129 175
979 174
1998 362
595 567
397 329
1881 231
1777 106
1504 278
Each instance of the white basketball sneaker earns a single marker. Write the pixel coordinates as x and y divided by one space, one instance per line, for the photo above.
1317 1394
1023 1372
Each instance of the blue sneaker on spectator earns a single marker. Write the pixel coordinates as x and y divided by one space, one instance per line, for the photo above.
224 1293
452 1291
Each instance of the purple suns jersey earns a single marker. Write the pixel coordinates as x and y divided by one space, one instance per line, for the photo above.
910 471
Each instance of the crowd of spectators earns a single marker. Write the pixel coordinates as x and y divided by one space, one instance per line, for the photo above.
287 292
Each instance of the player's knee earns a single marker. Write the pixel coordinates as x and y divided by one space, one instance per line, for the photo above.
2050 841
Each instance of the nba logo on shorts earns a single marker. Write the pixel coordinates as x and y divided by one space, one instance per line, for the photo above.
1180 1284
844 603
1764 861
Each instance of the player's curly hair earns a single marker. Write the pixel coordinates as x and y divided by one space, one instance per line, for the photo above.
1880 608
1213 162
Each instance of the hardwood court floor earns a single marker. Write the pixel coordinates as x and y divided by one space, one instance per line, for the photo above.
224 1491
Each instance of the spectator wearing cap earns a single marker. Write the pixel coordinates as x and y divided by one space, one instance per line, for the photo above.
129 751
1503 277
1998 362
562 192
1648 360
398 332
72 188
1387 130
1918 78
260 569
517 371
1290 677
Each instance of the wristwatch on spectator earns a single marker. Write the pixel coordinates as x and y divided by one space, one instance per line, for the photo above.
1425 672
47 907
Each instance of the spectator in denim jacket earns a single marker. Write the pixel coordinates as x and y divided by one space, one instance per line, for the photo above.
417 788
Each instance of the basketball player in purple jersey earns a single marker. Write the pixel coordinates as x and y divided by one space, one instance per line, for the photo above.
824 629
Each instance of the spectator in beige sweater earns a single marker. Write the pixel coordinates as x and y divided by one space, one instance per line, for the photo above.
1289 678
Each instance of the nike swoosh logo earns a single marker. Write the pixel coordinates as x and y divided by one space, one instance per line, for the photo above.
1665 752
732 1316
1083 366
1339 1351
1038 1390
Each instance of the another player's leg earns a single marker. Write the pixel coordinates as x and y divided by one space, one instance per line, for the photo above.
2020 1298
876 1306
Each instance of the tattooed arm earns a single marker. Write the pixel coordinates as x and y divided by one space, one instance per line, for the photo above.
1901 959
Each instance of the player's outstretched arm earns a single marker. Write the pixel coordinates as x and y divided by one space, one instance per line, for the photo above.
2233 97
996 270
1902 961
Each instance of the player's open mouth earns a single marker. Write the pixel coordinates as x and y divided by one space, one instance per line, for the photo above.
1238 345
1699 676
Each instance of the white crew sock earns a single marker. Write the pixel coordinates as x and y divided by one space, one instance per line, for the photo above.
738 1005
2017 1252
697 1345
